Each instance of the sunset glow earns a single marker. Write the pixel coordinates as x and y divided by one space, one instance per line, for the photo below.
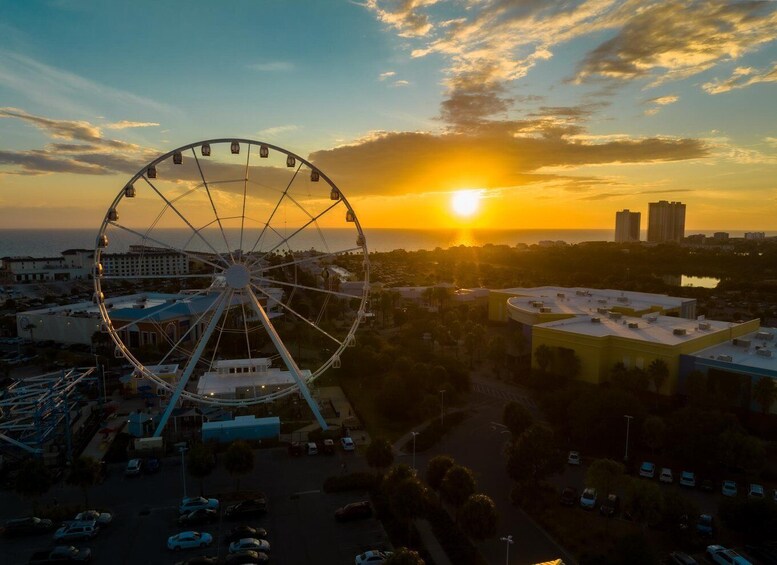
465 203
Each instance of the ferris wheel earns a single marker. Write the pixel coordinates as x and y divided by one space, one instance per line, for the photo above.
240 262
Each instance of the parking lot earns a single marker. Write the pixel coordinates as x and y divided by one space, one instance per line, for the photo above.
300 523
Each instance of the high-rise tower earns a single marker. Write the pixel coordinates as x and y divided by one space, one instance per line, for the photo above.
627 226
666 221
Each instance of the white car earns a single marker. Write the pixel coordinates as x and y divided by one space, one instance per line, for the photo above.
687 479
189 540
719 554
573 458
252 544
588 499
102 518
756 491
647 470
666 475
77 531
347 444
372 557
134 467
728 488
191 503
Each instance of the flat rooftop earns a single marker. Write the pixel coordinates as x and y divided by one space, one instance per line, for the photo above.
745 350
666 330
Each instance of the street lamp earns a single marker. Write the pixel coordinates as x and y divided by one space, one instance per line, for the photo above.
414 434
628 425
508 542
442 407
183 450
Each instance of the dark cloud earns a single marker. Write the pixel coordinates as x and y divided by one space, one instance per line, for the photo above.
36 162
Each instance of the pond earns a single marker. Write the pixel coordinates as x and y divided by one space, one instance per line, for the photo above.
703 282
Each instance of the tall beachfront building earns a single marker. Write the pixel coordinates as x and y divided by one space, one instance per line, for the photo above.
666 221
627 226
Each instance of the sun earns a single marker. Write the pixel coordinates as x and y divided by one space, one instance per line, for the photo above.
465 203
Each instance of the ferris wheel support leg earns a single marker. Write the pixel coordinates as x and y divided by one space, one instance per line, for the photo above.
190 366
286 356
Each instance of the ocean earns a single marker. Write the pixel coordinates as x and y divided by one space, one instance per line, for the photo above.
50 243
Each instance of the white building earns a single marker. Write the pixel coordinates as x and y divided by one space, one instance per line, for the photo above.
245 378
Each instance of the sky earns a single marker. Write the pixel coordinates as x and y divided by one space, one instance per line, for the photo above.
533 113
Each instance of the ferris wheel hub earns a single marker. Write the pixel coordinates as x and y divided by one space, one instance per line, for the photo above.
238 276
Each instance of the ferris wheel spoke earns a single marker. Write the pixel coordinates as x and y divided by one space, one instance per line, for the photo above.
277 205
213 205
150 315
245 190
172 206
305 259
230 294
291 365
274 282
245 328
297 314
189 254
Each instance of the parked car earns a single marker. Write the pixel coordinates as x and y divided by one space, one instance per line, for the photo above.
61 554
77 530
295 448
189 540
680 558
27 526
573 458
152 465
588 499
312 448
247 508
666 475
610 506
199 516
728 488
755 491
705 526
246 556
194 502
134 467
719 554
372 557
251 544
347 444
102 518
568 496
329 446
647 470
241 532
687 479
354 511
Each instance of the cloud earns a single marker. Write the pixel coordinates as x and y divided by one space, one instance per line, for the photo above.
277 130
401 83
771 141
387 74
125 124
675 39
405 16
271 66
742 77
663 100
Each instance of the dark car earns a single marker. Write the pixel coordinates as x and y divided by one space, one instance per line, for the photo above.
200 560
247 508
199 516
246 556
354 511
705 525
295 448
243 532
27 526
152 465
680 558
61 554
610 506
568 496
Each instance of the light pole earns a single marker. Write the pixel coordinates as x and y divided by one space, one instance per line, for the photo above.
442 407
101 371
628 425
183 450
508 542
414 434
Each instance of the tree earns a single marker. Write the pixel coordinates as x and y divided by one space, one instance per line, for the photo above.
658 372
643 500
479 517
408 501
543 355
653 432
379 454
569 363
84 473
516 417
33 480
404 556
200 463
605 475
436 469
457 486
765 393
239 460
534 456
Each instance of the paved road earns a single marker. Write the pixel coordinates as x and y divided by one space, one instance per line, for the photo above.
300 523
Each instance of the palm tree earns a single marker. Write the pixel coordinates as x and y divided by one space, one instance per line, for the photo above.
658 372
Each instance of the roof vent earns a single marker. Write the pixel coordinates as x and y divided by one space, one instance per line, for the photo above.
615 315
633 325
704 325
596 320
741 342
767 336
726 358
679 331
764 352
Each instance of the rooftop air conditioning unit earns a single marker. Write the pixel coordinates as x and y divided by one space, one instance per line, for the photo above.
602 301
679 331
633 325
727 358
560 295
581 293
764 352
767 336
545 310
704 325
615 315
741 342
596 320
652 317
602 310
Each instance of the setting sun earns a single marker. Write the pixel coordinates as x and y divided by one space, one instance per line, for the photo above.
465 202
